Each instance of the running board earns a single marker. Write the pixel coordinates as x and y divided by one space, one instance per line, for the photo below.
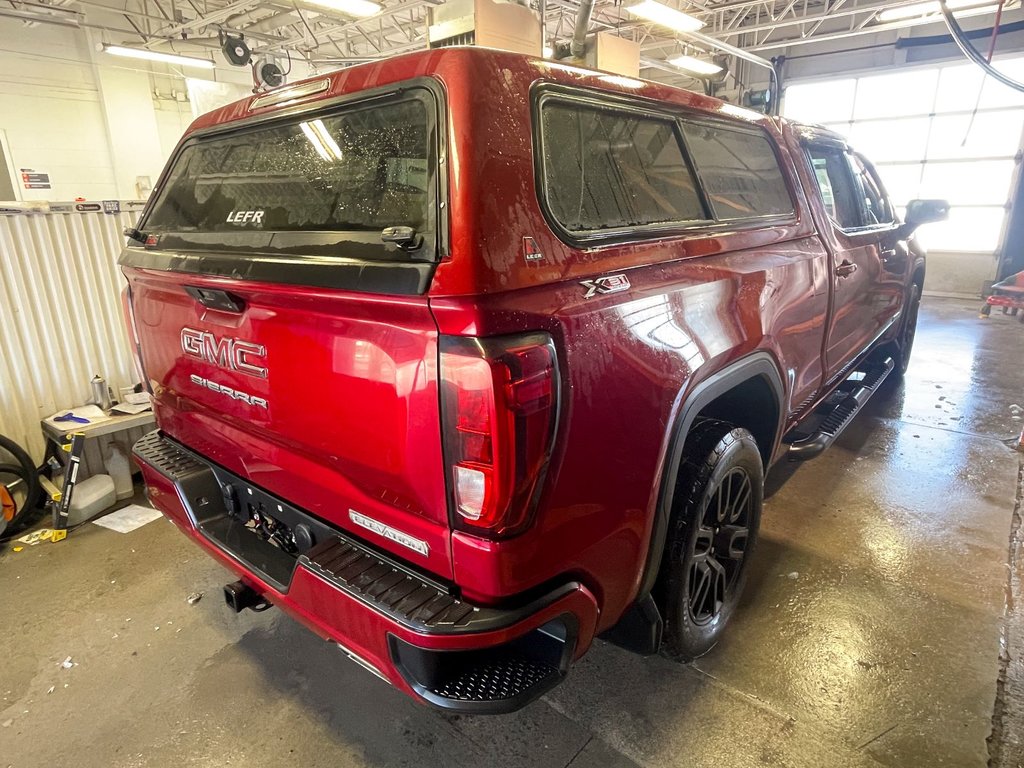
837 411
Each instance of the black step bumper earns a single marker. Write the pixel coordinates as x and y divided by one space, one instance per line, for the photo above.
405 627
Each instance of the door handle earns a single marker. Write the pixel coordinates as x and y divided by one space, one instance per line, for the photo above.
215 298
845 268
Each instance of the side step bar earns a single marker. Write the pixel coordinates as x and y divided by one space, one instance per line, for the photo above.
836 413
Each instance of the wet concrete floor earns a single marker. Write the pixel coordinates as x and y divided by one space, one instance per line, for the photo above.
872 632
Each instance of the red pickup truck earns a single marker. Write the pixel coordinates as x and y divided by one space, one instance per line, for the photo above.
465 358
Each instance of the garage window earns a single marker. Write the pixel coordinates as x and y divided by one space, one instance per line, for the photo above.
945 131
607 170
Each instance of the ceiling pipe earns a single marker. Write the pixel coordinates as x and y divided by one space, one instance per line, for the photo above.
578 47
972 53
40 18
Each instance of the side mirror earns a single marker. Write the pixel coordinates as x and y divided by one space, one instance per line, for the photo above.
923 212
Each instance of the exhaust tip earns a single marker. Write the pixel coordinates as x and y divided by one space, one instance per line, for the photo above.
239 596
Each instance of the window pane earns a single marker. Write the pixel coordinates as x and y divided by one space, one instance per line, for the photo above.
835 182
876 209
902 182
968 182
739 170
363 169
996 94
896 93
958 88
606 170
825 102
959 85
902 139
968 229
991 135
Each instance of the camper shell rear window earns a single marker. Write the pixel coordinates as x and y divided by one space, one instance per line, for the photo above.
321 184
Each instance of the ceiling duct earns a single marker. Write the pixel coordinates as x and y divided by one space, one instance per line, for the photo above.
578 47
510 26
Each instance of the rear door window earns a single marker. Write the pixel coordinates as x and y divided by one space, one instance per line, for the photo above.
607 170
306 184
739 171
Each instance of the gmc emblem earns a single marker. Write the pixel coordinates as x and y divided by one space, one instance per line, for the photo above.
233 354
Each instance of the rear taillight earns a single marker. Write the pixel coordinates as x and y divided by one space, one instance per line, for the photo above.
499 408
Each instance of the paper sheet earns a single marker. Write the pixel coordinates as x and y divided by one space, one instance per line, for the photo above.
93 413
128 519
131 408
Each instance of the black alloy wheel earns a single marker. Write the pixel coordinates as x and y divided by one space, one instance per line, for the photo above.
716 509
720 547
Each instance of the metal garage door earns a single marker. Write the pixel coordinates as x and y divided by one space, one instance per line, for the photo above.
933 131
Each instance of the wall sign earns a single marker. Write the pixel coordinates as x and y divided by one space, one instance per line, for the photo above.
32 179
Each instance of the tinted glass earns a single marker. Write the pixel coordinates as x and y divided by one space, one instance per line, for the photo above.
876 209
605 169
739 170
361 169
835 182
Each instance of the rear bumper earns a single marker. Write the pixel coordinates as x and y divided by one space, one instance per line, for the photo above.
403 626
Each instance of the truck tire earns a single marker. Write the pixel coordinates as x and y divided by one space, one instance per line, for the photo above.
716 511
905 343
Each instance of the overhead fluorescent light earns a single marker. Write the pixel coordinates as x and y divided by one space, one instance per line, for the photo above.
664 16
321 139
166 58
695 66
351 7
929 8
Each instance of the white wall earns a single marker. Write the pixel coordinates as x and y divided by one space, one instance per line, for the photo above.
92 121
51 114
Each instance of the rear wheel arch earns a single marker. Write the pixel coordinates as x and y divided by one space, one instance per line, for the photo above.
748 393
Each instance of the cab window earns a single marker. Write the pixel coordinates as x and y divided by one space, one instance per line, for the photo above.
839 191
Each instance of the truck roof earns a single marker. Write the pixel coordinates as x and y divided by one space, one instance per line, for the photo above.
517 73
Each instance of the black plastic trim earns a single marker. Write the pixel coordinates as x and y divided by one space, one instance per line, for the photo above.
842 413
640 628
399 278
758 365
546 652
381 582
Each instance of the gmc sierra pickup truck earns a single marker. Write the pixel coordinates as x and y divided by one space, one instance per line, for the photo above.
464 358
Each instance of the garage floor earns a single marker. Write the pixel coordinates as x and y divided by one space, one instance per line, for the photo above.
870 632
